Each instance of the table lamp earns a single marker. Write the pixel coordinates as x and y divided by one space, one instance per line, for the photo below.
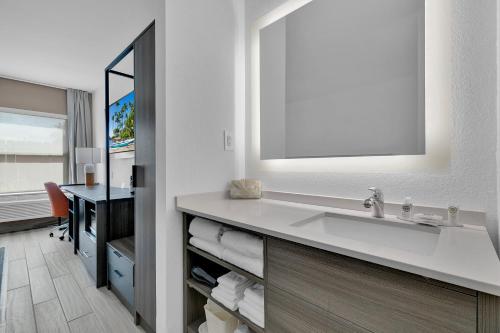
89 157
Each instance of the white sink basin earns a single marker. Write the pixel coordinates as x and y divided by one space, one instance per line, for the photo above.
418 239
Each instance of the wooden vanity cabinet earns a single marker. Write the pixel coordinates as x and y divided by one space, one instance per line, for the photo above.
310 290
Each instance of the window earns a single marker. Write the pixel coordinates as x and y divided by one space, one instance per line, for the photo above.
32 150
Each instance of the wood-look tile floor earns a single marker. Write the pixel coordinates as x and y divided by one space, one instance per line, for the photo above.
49 289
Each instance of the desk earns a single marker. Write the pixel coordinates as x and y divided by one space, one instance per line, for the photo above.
90 229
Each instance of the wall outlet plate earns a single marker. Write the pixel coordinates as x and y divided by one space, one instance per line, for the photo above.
228 141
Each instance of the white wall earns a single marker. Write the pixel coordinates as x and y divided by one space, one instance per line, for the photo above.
99 125
200 103
461 50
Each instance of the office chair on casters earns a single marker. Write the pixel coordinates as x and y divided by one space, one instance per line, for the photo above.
59 205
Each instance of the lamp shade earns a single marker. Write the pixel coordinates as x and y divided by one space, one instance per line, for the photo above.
96 155
88 155
83 155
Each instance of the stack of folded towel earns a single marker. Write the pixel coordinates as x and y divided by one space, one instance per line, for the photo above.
239 248
243 250
206 236
252 304
230 289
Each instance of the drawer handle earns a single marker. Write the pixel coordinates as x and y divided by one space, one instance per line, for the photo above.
118 254
117 272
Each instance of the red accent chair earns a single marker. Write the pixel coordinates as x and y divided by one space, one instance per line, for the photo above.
59 205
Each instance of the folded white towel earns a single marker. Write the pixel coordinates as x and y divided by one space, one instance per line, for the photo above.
228 303
254 295
211 247
244 243
254 311
256 321
233 297
252 265
205 229
242 329
254 314
234 291
233 280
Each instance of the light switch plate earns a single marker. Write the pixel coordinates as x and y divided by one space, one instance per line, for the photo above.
228 141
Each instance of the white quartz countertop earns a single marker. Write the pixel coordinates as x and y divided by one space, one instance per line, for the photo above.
462 256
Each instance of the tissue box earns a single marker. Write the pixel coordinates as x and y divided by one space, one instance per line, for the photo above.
245 189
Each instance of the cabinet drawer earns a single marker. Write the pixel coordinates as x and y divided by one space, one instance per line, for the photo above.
371 296
88 250
290 314
121 274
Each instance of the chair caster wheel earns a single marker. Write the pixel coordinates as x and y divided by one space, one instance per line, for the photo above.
61 238
51 234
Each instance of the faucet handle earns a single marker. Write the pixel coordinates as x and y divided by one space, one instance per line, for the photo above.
377 193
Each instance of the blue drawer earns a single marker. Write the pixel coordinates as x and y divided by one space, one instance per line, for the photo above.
121 274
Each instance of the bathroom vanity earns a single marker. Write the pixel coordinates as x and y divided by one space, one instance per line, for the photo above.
334 270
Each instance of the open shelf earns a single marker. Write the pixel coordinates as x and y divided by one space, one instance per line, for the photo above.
206 291
225 264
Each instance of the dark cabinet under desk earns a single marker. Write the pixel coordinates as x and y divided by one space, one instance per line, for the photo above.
91 235
121 258
91 230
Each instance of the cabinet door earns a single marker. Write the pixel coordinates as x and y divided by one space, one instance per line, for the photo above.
145 158
371 296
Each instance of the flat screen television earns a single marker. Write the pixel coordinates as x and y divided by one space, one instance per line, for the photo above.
121 134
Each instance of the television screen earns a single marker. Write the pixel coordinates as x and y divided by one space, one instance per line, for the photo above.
121 134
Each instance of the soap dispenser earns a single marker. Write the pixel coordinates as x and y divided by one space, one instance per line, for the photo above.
407 209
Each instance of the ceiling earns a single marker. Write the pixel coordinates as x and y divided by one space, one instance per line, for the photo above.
68 43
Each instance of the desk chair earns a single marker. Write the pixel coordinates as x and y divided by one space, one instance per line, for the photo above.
59 205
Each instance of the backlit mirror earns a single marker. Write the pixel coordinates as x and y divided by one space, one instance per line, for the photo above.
344 78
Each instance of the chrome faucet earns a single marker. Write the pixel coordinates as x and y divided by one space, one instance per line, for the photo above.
375 202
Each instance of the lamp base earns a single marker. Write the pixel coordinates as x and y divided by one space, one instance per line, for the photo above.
89 179
89 175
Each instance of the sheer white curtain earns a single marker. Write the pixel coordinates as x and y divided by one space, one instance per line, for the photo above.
79 128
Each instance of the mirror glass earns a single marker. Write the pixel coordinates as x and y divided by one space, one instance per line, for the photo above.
121 121
344 78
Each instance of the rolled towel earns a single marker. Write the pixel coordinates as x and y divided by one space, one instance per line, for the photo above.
205 229
254 295
252 265
244 243
228 303
256 315
242 329
211 247
233 280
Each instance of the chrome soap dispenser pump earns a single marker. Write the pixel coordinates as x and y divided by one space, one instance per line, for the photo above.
376 202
